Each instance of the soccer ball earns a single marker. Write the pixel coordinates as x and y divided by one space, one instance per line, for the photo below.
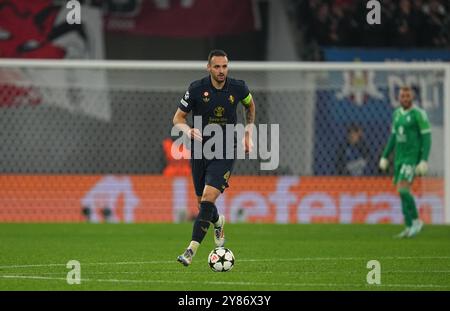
221 259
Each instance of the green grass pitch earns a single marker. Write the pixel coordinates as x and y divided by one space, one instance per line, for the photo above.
268 257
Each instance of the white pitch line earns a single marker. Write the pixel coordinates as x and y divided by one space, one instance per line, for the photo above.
247 272
345 258
32 266
229 283
31 277
92 264
241 260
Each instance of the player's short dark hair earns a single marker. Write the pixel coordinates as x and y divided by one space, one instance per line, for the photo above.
216 53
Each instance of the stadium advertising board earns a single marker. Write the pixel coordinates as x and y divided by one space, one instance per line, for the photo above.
270 199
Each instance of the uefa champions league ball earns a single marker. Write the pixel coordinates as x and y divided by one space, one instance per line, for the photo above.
221 259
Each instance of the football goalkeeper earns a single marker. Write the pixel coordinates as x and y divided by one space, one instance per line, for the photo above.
411 138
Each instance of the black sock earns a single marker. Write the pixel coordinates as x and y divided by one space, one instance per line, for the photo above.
215 215
200 229
207 213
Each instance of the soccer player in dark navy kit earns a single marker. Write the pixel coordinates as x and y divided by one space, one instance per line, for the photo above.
215 99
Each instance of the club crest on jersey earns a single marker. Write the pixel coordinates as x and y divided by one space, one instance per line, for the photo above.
231 99
205 97
218 112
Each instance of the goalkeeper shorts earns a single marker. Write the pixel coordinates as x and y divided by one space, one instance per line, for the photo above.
404 172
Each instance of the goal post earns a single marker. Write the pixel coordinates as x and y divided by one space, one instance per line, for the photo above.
79 126
447 144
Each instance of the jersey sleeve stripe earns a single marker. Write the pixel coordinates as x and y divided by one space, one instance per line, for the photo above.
184 103
246 100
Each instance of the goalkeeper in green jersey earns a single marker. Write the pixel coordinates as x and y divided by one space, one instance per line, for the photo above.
411 138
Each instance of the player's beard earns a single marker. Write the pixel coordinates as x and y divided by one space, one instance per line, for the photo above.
220 79
407 105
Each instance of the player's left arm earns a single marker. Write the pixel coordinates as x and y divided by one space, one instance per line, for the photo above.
425 131
249 113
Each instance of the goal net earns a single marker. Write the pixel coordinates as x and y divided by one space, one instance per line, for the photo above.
85 141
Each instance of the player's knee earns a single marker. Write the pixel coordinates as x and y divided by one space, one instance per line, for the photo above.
208 197
210 194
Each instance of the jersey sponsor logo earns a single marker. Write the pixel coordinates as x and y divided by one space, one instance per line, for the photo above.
205 97
401 137
219 111
231 99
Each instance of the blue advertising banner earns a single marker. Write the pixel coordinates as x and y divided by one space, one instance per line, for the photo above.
383 55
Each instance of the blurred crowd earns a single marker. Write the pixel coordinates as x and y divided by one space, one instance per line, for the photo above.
404 23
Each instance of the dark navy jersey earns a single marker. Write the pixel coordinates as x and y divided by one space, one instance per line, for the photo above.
215 106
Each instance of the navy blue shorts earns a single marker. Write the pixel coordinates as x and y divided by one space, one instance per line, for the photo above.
213 173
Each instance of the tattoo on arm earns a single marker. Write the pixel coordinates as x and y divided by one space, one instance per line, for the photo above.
249 112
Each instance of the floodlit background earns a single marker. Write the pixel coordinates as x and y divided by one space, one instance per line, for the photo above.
86 133
87 179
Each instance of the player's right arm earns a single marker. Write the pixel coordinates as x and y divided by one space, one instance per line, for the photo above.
389 147
180 118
